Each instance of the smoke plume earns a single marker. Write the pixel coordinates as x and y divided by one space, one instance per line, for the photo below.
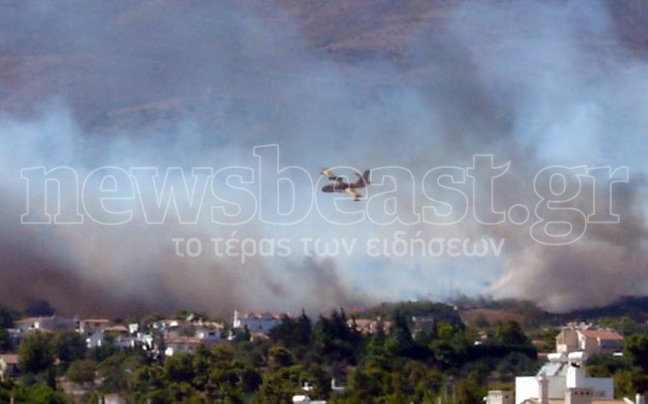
163 83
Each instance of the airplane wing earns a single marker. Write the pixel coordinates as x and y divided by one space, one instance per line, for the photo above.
356 196
329 174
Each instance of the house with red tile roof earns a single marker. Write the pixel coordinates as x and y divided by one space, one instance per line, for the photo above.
589 339
178 345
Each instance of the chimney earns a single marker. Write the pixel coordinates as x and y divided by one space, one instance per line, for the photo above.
576 370
543 386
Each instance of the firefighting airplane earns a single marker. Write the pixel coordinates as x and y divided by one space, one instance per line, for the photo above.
340 185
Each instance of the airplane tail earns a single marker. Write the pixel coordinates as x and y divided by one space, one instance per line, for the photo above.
363 180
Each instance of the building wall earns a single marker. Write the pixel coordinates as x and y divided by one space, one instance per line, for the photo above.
264 324
89 328
610 346
499 397
567 341
529 387
525 388
580 395
601 387
589 345
173 349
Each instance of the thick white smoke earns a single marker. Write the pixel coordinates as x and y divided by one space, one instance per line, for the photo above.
199 84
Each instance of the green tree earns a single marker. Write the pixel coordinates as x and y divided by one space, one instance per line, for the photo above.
400 342
101 353
367 384
179 368
450 346
318 379
280 357
117 370
469 391
6 389
91 397
182 393
278 387
607 365
334 340
636 350
625 325
629 382
242 335
376 352
36 354
201 363
38 394
250 379
148 382
5 341
510 333
229 378
81 372
517 363
547 336
69 346
291 333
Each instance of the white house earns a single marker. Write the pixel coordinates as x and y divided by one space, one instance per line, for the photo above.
51 323
562 373
126 341
181 345
146 340
207 335
89 327
256 322
96 340
369 326
133 328
560 381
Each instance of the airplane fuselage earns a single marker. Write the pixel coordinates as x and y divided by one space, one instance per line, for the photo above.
341 186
